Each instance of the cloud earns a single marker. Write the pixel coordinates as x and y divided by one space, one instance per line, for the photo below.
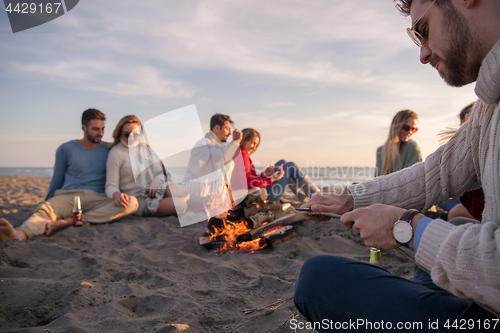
108 77
35 138
333 70
299 42
279 104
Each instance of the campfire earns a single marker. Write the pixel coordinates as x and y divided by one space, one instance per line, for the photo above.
252 225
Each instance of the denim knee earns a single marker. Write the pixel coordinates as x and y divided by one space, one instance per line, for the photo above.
290 165
312 272
293 170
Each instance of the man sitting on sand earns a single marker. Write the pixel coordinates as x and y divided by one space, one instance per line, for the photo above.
461 39
80 169
203 175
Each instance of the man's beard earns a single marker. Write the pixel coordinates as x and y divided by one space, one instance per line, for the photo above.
461 64
93 139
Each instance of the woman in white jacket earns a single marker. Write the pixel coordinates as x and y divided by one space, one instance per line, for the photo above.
133 169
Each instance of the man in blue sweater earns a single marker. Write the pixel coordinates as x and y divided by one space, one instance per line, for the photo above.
80 169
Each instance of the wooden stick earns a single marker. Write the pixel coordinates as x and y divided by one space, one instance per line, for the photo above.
282 326
262 314
267 306
406 255
256 233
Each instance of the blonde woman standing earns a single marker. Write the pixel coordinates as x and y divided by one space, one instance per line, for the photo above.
399 151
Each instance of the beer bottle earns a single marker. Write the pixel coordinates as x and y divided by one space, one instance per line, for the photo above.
77 212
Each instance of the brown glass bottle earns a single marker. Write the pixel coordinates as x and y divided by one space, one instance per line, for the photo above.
77 212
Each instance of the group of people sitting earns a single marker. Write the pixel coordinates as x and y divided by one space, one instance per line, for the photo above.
126 177
456 281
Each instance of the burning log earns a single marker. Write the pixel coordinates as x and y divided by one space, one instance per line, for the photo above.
271 238
248 207
268 231
256 220
282 221
256 197
281 235
249 226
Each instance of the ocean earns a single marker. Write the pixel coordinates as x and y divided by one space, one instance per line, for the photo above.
322 176
32 172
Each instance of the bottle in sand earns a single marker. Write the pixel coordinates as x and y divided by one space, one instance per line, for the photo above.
77 212
375 256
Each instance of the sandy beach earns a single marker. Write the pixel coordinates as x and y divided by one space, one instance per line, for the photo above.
150 275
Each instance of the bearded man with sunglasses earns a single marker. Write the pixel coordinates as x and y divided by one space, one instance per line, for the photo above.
461 40
80 169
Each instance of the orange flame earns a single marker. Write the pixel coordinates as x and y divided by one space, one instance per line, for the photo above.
230 231
252 246
273 229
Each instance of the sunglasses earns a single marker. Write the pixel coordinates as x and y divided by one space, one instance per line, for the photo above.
416 36
409 128
127 135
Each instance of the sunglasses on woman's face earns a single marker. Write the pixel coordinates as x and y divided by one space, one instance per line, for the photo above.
409 128
133 134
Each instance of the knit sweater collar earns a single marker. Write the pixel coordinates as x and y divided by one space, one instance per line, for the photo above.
123 146
211 136
488 81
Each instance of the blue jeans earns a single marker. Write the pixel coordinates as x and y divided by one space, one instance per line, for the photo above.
449 204
275 191
336 293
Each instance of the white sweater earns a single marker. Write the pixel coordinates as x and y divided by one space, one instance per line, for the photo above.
119 173
204 172
464 260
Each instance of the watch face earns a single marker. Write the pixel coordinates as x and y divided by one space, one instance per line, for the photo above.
402 231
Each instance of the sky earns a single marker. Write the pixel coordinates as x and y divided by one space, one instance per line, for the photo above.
319 79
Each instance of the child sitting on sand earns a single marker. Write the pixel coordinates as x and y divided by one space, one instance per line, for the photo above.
134 170
276 177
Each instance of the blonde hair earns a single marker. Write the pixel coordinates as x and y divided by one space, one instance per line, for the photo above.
390 149
118 130
248 135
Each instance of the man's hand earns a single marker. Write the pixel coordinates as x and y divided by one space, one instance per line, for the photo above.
121 199
374 224
237 136
336 203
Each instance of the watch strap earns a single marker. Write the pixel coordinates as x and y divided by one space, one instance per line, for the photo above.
409 215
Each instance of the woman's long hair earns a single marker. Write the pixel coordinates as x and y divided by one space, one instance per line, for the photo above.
248 135
390 149
118 130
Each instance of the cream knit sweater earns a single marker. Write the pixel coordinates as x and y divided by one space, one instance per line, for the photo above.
464 260
120 176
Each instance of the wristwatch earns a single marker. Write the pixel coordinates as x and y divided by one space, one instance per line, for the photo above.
402 229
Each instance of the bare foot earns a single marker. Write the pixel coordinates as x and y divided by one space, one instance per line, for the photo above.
52 227
7 231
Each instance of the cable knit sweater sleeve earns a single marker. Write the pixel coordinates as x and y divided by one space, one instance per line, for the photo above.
464 260
113 165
